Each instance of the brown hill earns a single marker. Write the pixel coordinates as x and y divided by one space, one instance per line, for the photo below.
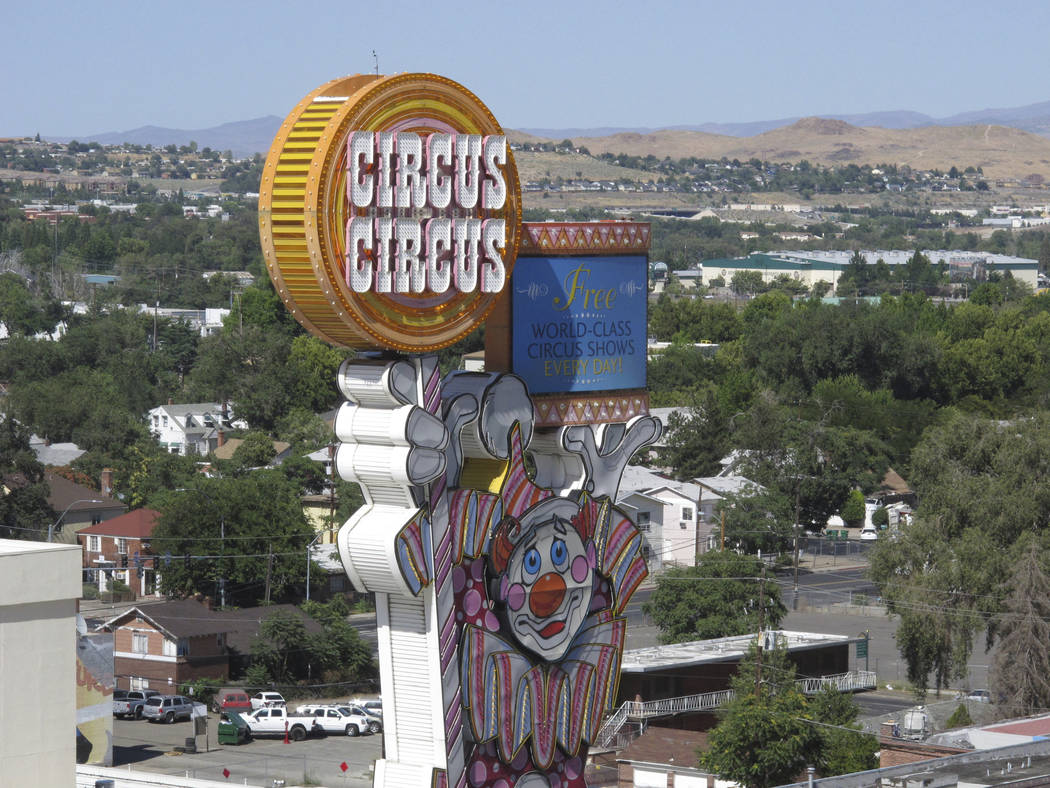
1001 152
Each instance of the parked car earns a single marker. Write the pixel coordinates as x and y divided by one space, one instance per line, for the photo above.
340 719
371 705
130 702
276 721
980 696
375 721
168 708
265 700
231 700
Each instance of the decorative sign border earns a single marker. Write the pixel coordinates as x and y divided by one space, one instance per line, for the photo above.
615 237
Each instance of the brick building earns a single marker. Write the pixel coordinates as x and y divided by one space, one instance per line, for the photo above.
160 646
120 549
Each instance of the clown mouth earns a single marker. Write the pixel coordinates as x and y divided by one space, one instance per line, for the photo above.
552 629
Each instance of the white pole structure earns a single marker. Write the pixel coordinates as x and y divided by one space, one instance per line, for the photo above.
51 528
312 543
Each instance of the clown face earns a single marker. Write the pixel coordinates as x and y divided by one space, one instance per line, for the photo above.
547 587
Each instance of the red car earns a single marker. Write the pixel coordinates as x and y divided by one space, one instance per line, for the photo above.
232 700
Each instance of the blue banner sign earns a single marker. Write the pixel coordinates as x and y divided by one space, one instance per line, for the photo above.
579 323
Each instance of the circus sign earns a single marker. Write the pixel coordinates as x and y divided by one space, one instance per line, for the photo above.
390 212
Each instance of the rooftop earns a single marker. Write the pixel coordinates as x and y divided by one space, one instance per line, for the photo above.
137 524
698 652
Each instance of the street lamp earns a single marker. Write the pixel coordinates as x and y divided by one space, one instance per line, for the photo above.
222 536
51 528
312 543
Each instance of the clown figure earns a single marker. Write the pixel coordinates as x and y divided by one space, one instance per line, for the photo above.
545 577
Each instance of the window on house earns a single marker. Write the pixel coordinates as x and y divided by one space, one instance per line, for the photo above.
687 512
96 519
683 525
184 647
139 643
169 648
93 545
645 551
138 683
165 421
122 546
643 521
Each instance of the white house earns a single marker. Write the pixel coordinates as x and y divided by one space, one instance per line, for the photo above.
191 428
666 512
714 489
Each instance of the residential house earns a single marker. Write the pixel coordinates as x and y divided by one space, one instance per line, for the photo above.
77 506
666 512
330 567
120 549
713 490
188 429
160 646
226 448
662 757
244 625
55 454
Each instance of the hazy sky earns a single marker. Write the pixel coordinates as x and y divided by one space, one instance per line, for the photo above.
77 68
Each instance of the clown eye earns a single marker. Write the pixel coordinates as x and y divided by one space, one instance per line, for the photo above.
559 553
532 562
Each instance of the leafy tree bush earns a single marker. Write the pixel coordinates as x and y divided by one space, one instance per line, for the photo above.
960 718
853 509
718 597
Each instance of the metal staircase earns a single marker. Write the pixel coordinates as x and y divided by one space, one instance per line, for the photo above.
643 711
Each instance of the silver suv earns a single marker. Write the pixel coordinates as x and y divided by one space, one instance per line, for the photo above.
168 708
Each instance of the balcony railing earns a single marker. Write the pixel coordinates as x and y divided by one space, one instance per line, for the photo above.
607 737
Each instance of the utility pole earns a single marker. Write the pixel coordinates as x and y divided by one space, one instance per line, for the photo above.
761 624
798 494
722 546
269 568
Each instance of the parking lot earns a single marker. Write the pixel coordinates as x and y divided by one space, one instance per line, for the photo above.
317 761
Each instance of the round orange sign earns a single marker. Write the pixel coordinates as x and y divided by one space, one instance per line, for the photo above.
390 212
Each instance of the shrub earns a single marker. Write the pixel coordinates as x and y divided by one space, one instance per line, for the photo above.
960 718
90 591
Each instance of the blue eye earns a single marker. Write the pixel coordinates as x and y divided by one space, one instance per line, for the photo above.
532 561
559 553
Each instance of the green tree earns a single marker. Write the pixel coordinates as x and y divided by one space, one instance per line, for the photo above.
255 451
960 718
843 748
1020 674
762 737
853 508
698 437
24 511
348 657
23 313
719 597
747 282
266 535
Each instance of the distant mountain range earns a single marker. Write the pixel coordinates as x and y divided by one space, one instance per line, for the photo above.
1034 118
255 136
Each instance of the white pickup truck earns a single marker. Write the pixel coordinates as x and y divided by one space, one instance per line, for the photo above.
276 720
341 719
